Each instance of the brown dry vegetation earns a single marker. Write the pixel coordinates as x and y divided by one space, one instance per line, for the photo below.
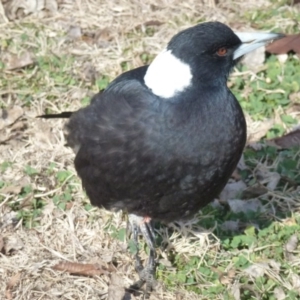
99 38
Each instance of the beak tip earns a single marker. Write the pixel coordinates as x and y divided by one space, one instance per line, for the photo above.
253 40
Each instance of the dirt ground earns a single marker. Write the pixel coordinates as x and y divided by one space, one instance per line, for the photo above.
77 234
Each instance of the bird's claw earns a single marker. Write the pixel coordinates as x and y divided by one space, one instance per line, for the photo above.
146 274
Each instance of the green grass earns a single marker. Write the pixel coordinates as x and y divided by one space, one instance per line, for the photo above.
262 236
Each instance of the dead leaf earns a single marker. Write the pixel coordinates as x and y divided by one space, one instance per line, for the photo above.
235 290
116 290
16 187
12 243
230 225
74 32
254 191
275 266
8 219
290 247
89 73
266 177
10 116
237 205
19 62
296 282
51 5
258 130
227 277
153 23
285 45
165 262
82 269
257 270
279 293
295 97
103 37
8 295
11 189
232 190
287 141
13 281
17 9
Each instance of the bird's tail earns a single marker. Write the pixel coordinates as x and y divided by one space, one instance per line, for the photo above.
63 115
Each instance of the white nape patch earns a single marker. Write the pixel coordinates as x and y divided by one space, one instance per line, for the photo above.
167 75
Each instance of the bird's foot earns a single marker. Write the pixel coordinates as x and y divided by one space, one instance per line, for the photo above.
146 274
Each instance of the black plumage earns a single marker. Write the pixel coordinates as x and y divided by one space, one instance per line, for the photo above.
164 157
155 158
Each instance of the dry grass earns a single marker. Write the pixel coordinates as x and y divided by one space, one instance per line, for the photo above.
114 33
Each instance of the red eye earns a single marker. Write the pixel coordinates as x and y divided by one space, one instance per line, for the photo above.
222 51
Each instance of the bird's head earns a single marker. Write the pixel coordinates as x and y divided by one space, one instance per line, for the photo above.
203 54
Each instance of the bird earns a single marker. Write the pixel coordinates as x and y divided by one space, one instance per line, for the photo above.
162 140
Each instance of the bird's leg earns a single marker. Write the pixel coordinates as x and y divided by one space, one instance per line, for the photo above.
134 228
146 274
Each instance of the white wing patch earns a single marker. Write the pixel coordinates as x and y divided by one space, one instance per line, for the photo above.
168 75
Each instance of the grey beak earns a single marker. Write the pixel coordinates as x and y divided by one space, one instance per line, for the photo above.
254 40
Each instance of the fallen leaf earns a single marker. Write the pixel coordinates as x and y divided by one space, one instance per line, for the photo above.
89 72
13 281
292 243
237 205
232 190
8 295
235 290
11 189
9 219
17 9
296 282
16 187
116 290
227 278
74 32
265 177
10 116
254 191
275 265
51 5
12 243
230 225
279 293
295 97
153 23
258 130
287 141
257 270
81 269
285 45
19 62
295 2
103 37
165 262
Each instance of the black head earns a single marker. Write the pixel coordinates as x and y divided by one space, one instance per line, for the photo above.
207 48
202 55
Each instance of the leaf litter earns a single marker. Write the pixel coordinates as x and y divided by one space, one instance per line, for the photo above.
73 236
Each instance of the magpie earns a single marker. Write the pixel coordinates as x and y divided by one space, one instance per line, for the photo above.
161 141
